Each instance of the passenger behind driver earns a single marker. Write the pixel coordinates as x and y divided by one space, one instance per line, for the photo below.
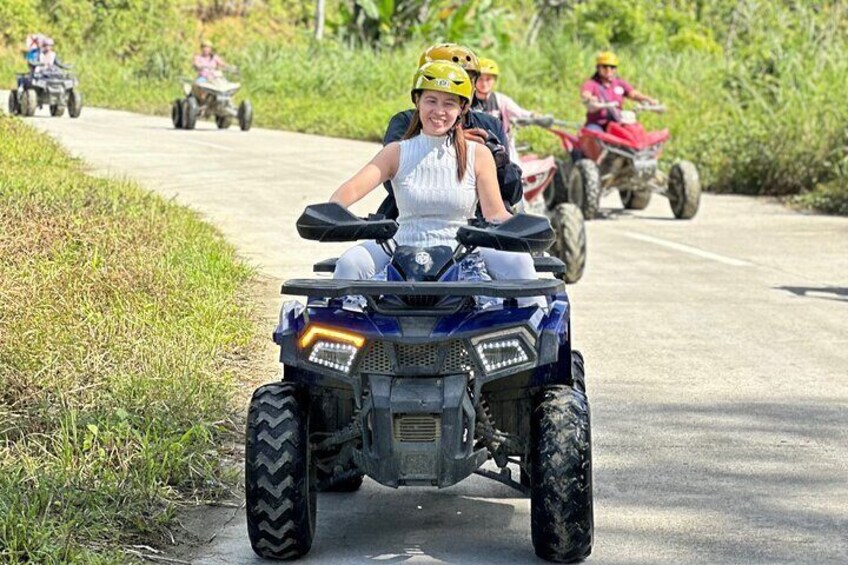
498 104
438 176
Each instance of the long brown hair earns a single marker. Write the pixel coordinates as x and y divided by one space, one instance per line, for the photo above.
455 136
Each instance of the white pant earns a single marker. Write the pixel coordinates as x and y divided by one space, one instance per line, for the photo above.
365 260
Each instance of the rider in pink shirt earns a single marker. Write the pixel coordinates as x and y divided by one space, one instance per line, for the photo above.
208 64
604 93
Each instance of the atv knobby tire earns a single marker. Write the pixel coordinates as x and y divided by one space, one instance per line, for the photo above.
584 188
635 199
245 115
562 525
14 103
557 191
223 122
74 103
57 111
190 110
570 245
684 190
279 473
177 113
29 102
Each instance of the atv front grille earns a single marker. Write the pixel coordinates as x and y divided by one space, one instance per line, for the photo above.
417 428
448 357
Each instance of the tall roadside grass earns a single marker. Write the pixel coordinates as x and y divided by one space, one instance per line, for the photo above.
119 317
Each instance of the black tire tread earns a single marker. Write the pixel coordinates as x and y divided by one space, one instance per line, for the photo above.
687 207
635 199
280 514
570 243
586 171
562 524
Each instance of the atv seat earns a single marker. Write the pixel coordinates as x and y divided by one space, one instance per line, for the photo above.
543 265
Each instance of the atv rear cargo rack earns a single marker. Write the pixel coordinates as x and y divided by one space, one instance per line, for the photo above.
332 288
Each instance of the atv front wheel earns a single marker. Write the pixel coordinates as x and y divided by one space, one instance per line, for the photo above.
635 199
584 188
190 110
223 122
245 115
279 473
57 111
29 102
177 114
14 103
684 190
557 191
562 524
570 245
74 103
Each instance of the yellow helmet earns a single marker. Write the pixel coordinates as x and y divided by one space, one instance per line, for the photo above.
459 54
443 76
607 58
489 67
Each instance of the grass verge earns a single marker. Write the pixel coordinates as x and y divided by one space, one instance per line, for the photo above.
122 319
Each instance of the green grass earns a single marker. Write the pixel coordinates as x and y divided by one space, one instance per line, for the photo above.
119 314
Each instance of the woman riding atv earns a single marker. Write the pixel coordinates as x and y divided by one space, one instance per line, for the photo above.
439 177
498 104
208 64
604 93
477 126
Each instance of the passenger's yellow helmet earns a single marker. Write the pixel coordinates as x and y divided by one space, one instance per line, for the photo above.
607 58
442 76
489 67
459 54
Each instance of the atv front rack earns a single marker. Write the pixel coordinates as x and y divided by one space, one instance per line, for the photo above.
334 288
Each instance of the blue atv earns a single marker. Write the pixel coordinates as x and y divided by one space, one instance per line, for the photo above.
418 380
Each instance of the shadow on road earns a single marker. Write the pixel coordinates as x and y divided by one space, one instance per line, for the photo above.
839 294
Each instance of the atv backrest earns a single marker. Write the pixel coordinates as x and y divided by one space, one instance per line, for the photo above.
330 221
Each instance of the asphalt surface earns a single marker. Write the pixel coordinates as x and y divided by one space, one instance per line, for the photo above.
716 349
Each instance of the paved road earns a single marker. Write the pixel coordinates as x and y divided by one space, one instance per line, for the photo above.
717 355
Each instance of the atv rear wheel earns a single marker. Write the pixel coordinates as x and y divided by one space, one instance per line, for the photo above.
57 111
635 199
584 188
557 191
74 103
223 122
562 524
279 476
245 115
684 190
177 113
29 102
570 245
14 103
190 110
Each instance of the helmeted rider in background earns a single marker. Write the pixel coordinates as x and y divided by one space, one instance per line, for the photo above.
604 93
498 104
207 63
477 126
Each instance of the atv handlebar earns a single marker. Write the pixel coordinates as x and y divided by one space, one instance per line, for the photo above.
544 122
657 108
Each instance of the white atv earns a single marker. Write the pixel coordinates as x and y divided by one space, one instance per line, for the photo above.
207 98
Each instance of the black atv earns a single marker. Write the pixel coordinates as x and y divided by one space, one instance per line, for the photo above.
417 380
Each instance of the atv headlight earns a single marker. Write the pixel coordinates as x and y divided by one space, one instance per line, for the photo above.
504 349
329 347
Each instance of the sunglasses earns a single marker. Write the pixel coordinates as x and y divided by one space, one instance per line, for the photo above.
608 66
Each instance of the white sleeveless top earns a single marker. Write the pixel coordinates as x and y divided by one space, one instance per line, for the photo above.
432 203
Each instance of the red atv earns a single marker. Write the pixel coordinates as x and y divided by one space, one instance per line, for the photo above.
624 158
538 176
